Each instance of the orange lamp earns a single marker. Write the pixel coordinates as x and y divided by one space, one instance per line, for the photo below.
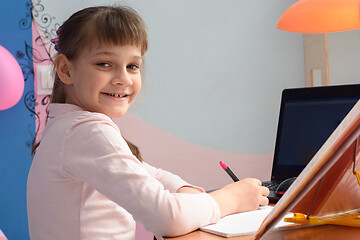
321 16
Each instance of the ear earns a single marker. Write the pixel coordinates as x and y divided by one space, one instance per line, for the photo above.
63 69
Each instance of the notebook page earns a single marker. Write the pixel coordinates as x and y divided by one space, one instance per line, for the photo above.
242 224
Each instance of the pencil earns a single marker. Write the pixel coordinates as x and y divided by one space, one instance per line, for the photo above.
228 170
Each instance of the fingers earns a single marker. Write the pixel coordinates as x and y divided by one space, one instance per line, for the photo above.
263 201
264 192
257 181
245 195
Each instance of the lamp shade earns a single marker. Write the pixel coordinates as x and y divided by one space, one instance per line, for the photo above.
11 80
321 16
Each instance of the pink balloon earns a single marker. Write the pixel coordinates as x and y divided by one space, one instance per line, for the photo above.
11 80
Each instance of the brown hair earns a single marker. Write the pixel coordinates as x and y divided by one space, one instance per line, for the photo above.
118 25
96 25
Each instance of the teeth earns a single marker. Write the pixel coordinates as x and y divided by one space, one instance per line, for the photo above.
116 95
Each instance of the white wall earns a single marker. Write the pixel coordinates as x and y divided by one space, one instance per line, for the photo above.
214 69
344 57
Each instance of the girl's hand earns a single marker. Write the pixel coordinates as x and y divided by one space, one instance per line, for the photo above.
244 195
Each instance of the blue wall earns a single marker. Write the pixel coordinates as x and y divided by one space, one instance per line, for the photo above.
17 124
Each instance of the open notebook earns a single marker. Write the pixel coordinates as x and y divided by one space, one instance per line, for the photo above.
242 224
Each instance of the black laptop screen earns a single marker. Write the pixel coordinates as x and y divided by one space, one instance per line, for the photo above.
307 119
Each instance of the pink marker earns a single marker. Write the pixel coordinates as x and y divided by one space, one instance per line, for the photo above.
228 170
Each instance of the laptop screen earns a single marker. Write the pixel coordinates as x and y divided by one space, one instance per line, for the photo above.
307 118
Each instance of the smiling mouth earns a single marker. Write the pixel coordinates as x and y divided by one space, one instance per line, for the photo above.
116 95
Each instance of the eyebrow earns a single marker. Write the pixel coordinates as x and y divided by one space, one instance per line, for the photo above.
111 54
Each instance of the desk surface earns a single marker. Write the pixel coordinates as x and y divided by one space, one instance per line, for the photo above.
328 232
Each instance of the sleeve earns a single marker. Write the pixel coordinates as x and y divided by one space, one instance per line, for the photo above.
95 152
170 181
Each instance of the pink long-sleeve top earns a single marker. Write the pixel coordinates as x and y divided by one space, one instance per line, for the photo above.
84 183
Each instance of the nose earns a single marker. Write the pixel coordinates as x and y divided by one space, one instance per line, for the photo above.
122 77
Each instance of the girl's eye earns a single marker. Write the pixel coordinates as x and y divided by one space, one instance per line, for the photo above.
133 67
103 64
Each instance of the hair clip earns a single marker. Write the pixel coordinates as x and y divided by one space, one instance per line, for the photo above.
55 41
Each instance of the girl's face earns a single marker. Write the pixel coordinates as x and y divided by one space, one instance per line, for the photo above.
105 79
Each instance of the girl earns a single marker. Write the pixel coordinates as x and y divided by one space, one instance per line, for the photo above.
86 181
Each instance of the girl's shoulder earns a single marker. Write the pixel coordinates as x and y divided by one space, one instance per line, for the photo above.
93 119
73 116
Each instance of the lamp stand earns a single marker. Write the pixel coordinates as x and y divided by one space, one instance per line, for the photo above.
316 59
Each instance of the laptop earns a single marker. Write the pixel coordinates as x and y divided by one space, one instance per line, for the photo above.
307 118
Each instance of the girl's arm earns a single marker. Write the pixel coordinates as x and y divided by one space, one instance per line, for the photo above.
242 196
171 182
245 195
94 152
